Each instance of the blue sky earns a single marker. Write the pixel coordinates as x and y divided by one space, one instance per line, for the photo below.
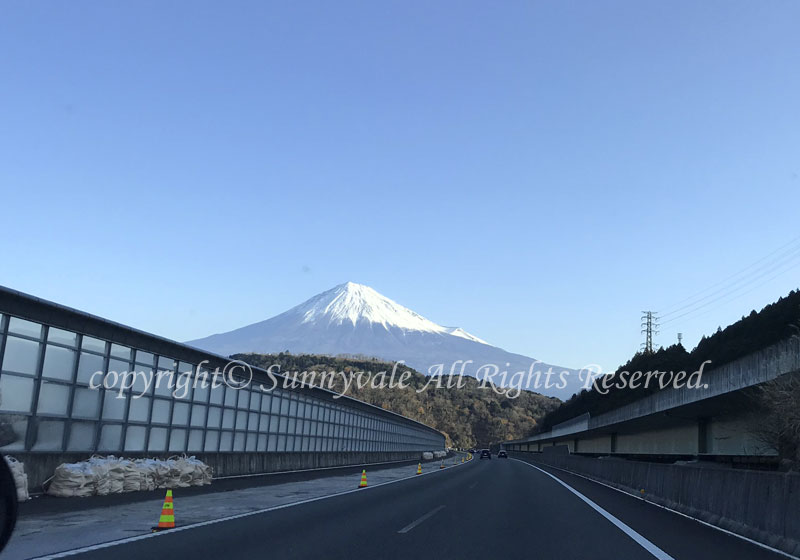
537 173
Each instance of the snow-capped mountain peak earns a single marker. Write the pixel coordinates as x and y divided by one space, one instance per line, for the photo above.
353 319
353 303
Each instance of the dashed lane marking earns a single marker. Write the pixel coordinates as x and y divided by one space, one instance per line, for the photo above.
128 540
428 515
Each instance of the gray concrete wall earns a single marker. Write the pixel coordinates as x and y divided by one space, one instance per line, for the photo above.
772 362
571 426
597 444
728 435
678 440
753 369
760 505
41 466
561 449
732 435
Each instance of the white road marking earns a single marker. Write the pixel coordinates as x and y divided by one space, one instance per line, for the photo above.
428 515
128 540
707 524
639 539
473 485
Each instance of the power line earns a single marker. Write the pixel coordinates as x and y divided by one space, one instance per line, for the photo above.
786 257
726 297
784 252
767 281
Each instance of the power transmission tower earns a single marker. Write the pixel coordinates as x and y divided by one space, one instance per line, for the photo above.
649 328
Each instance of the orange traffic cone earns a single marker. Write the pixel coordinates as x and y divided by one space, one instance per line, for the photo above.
419 468
442 465
363 483
462 460
167 519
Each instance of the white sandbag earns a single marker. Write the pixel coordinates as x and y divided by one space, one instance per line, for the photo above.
99 472
20 478
156 471
180 473
192 471
116 475
175 472
439 454
131 477
427 456
201 474
167 475
96 476
111 475
148 470
72 480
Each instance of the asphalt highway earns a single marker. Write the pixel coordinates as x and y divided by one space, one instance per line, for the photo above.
498 508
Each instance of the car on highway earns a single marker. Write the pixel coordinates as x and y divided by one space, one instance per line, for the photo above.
485 454
502 454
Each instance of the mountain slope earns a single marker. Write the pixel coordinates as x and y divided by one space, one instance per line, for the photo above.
469 416
758 330
352 319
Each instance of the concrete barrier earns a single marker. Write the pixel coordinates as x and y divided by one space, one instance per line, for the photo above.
41 466
781 358
762 506
556 450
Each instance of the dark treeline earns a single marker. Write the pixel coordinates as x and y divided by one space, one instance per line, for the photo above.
775 322
468 416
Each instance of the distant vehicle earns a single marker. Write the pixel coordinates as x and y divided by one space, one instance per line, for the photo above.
473 450
502 454
485 454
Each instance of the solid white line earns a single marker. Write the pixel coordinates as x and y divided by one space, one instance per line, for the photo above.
639 539
127 540
706 523
428 515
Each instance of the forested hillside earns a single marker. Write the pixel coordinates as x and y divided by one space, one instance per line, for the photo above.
469 416
775 322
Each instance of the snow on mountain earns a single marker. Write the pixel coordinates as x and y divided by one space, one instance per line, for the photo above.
354 319
351 303
458 331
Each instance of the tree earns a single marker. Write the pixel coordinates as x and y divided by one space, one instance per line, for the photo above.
775 322
778 425
779 422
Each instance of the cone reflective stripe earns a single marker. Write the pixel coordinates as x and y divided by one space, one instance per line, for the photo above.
363 483
419 468
167 519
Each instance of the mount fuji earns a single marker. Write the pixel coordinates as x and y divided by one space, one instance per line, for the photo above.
353 319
